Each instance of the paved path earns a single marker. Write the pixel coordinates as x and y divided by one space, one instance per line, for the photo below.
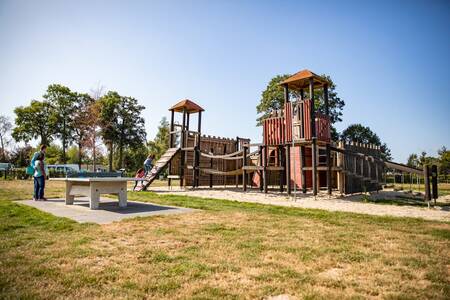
108 212
322 201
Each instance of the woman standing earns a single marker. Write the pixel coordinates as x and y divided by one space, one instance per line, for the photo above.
39 179
36 155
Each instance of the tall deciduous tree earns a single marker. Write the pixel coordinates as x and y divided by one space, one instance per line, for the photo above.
63 101
94 128
444 161
272 99
122 124
161 142
36 121
413 160
363 134
5 130
82 123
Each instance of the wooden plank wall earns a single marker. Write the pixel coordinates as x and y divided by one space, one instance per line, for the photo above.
219 146
362 174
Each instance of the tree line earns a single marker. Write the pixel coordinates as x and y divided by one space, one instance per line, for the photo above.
84 124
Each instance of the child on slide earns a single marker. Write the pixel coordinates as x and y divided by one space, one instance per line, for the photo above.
139 174
148 164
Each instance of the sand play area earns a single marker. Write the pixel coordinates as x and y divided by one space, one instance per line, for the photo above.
353 203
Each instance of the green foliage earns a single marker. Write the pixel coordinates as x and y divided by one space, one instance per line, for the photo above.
363 134
63 102
5 129
442 161
21 156
84 123
161 142
53 154
413 160
272 99
121 123
36 121
133 158
72 155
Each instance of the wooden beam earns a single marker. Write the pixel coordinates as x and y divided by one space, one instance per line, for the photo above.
244 173
314 138
260 160
265 170
426 175
303 172
288 168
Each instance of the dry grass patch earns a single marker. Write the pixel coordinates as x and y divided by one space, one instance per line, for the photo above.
229 250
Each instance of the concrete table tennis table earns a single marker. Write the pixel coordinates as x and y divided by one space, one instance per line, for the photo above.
93 187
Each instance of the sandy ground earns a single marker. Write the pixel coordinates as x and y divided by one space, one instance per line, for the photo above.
335 202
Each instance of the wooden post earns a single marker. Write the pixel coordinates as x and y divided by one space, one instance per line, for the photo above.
434 182
187 120
302 118
313 136
244 172
302 166
236 146
287 168
265 170
426 177
171 142
197 152
211 166
224 165
282 162
261 182
183 145
195 167
327 149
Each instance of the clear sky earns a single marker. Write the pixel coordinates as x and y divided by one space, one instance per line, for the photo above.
390 61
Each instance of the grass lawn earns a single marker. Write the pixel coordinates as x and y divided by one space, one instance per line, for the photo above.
443 188
227 250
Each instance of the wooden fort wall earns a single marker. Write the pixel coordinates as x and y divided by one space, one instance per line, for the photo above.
214 145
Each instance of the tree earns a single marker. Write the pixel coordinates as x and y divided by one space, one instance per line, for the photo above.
83 120
444 161
63 102
133 158
161 142
5 129
121 124
34 121
363 134
94 128
73 155
53 154
20 156
272 99
413 160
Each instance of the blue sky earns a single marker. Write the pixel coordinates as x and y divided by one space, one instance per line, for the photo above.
390 61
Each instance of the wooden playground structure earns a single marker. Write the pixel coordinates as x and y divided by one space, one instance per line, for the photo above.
296 153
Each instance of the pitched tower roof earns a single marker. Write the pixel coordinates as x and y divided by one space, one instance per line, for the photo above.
187 105
301 79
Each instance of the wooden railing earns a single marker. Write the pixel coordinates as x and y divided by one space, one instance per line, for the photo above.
294 123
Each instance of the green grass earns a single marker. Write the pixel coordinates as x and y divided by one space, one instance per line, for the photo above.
226 250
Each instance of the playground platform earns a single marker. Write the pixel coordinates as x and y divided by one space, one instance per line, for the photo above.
108 211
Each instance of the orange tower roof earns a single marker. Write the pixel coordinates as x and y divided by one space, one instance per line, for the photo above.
301 79
186 105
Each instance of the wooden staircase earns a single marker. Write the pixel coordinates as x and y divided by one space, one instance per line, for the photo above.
158 167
